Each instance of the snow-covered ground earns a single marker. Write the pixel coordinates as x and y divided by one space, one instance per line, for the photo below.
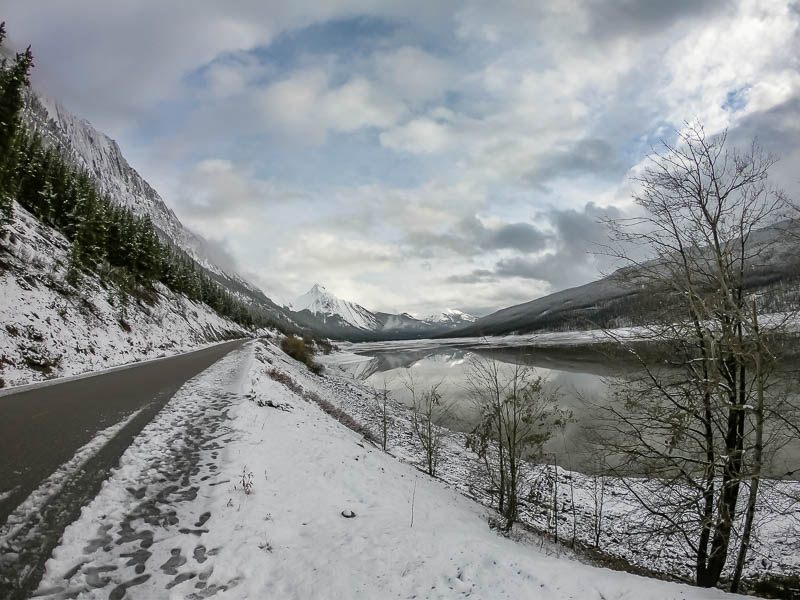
242 487
48 331
776 545
548 338
555 338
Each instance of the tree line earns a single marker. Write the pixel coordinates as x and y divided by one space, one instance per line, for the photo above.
105 238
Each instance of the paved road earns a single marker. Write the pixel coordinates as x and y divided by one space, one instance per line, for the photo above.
42 428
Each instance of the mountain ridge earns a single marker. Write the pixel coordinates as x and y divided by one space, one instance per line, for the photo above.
618 301
320 309
101 157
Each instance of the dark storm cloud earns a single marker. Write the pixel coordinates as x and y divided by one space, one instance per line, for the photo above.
642 17
471 236
777 131
476 276
573 255
589 156
518 236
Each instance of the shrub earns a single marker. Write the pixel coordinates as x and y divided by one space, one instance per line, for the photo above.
324 346
298 349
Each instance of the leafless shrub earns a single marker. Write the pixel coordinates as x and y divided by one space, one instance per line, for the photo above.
429 408
382 403
246 481
341 416
285 379
518 415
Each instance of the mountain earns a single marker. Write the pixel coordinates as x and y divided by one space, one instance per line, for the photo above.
93 151
450 317
320 302
322 311
574 308
615 302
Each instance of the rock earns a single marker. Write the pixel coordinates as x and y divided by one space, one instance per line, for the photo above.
348 514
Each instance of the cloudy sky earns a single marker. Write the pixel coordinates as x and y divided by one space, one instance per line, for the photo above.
413 155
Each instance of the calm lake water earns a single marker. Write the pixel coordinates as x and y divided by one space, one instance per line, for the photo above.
580 373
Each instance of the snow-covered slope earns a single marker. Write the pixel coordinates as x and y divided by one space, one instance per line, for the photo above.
321 302
49 330
98 154
102 158
236 521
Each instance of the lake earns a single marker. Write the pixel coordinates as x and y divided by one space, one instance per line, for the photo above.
579 370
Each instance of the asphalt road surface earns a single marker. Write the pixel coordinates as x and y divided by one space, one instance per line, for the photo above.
43 427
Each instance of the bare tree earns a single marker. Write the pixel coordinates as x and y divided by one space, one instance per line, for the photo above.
518 414
695 417
429 408
598 505
382 402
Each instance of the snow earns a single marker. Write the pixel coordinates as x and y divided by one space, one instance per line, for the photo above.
557 338
320 301
50 331
775 549
224 495
100 156
323 303
450 316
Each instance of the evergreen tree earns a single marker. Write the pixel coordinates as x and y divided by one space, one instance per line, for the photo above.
75 264
106 238
13 80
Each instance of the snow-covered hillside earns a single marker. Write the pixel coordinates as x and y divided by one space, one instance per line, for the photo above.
50 330
187 517
617 299
100 156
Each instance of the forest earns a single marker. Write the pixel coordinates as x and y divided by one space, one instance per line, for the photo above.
106 239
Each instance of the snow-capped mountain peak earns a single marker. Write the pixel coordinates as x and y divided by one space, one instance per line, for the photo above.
336 316
321 302
450 316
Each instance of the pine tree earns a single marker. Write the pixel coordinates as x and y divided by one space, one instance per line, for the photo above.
13 80
75 265
105 238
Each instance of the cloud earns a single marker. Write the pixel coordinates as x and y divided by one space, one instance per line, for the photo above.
412 155
420 136
610 19
306 107
471 236
570 254
232 75
112 62
216 187
587 156
414 75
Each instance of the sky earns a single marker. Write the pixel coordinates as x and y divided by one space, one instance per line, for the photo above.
414 156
